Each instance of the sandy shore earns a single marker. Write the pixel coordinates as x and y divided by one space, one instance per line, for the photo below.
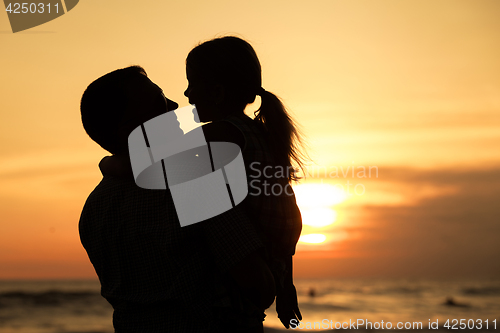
425 330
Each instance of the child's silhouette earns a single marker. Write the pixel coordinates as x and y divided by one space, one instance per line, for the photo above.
224 76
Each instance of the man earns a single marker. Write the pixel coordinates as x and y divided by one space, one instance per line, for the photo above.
158 276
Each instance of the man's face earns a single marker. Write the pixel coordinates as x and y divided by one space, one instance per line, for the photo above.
155 102
148 103
169 104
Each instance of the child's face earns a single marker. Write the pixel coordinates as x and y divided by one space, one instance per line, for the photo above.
204 96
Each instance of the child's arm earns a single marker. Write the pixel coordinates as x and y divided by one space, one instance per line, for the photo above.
116 165
287 305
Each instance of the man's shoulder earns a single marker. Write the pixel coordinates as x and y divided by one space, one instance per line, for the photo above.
104 191
111 186
116 196
117 204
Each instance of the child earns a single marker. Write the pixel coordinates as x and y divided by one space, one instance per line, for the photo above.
224 76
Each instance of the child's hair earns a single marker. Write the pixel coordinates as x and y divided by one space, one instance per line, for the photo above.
232 62
105 102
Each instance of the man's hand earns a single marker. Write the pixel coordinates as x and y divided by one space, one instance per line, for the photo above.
287 305
256 280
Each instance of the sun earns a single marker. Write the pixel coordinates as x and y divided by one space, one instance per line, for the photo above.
318 216
316 203
318 195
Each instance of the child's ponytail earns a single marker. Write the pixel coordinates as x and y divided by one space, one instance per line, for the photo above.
285 137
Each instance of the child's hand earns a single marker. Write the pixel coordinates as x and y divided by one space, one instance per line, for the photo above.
287 305
116 165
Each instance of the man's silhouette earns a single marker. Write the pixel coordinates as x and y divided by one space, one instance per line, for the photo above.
158 276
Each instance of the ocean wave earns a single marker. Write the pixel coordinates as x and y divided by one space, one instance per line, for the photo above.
46 298
323 307
481 291
368 290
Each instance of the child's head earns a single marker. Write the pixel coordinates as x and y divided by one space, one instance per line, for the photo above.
227 71
116 103
224 76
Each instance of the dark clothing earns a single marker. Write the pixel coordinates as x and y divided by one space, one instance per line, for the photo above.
270 203
158 276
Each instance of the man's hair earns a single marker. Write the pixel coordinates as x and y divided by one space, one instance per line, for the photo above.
105 102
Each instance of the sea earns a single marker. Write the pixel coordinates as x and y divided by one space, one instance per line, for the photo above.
76 306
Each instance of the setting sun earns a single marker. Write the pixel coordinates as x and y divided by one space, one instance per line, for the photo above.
316 202
318 217
318 195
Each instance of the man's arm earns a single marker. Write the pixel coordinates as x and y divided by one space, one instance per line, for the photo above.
236 249
255 279
223 131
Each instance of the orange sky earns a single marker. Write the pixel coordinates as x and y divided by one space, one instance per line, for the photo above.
411 87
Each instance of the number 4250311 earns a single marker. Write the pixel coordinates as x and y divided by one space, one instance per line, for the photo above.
461 324
33 8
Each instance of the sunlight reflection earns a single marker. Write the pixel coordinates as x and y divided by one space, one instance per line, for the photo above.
318 195
318 217
312 238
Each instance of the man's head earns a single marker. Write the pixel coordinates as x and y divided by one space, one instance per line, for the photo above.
116 103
